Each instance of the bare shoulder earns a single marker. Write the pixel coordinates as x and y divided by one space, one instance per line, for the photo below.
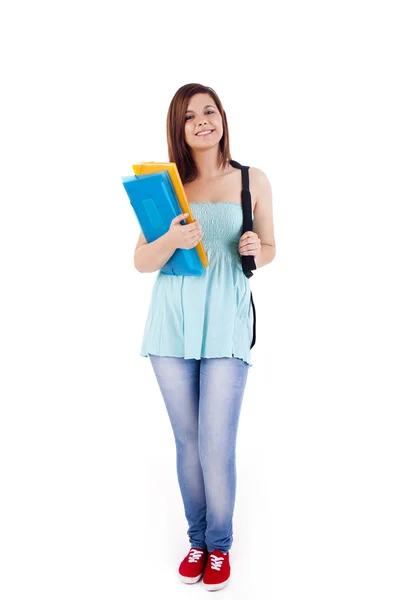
260 185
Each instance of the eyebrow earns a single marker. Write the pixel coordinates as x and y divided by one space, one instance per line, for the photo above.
206 106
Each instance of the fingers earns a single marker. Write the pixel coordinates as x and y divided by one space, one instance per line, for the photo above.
180 217
189 226
193 226
192 232
196 238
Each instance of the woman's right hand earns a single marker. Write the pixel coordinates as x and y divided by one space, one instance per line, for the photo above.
184 236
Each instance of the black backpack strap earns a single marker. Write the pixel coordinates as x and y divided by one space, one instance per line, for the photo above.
254 321
248 262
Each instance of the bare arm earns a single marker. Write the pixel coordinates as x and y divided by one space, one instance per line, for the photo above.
263 223
150 257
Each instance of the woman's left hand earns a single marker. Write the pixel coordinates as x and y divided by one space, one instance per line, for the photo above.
249 244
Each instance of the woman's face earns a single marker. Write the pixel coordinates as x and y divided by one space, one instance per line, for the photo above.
202 115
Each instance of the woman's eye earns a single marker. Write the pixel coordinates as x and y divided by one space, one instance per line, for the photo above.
189 116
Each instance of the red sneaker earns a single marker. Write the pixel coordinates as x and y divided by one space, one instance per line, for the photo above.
192 566
217 571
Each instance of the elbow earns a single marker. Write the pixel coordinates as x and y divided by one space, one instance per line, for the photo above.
141 269
137 267
137 263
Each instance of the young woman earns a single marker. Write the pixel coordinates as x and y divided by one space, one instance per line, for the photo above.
199 329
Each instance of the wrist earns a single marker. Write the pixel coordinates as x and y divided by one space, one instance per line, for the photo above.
168 241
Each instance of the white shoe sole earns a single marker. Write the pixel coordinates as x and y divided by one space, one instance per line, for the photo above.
190 579
215 586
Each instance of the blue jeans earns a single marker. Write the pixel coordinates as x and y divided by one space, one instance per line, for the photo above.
203 398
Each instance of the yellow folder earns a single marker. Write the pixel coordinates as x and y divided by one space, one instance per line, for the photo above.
146 168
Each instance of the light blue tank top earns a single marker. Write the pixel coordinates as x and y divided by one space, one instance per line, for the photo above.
209 315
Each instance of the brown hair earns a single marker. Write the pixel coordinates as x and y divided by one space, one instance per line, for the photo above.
178 150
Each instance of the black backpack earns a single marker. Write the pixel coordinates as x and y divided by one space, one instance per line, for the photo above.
248 262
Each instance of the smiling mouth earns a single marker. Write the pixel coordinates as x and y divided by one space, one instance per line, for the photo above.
201 134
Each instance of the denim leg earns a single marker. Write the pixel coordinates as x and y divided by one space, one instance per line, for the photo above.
178 379
222 385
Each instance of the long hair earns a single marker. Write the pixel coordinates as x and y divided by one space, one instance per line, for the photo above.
178 150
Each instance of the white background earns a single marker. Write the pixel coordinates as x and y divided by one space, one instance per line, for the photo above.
90 503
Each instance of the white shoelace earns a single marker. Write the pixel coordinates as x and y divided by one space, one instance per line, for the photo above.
194 555
216 562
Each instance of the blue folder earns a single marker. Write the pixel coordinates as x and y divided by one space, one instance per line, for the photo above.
155 204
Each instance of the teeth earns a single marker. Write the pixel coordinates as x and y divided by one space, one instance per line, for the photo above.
205 132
